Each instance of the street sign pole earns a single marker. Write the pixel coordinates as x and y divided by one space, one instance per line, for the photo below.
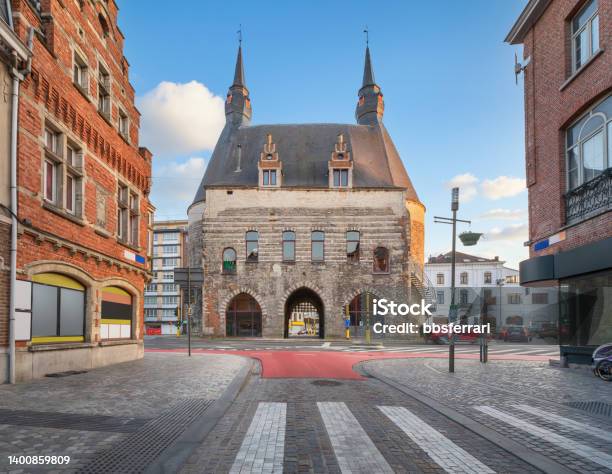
185 277
453 310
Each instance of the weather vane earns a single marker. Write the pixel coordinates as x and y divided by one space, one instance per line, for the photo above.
367 35
240 34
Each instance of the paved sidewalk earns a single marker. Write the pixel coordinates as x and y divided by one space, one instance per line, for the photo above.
83 415
528 402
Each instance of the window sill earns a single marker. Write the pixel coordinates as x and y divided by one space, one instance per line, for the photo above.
62 213
128 245
118 342
381 273
82 90
60 346
102 232
125 137
52 155
578 71
106 116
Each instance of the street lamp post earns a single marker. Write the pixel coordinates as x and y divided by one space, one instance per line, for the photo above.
452 314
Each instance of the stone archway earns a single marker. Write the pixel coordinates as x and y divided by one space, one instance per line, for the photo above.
243 317
304 314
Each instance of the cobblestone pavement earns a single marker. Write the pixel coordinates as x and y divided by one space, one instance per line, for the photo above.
525 401
334 427
85 414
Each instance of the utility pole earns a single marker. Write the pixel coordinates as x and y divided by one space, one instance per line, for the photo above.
452 314
189 311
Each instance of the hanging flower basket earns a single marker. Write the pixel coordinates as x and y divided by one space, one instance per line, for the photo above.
469 238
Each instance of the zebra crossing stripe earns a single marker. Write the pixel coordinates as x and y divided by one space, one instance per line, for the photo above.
550 436
502 351
438 447
567 422
355 451
263 447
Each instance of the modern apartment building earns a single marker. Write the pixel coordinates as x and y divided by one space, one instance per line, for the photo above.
82 185
568 154
163 301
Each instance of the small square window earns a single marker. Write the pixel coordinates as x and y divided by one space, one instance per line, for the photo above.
80 75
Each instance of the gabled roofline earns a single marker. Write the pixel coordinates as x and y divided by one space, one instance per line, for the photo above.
530 14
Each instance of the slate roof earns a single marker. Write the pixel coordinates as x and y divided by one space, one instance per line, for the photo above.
304 151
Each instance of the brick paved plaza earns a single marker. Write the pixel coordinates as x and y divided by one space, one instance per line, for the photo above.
223 413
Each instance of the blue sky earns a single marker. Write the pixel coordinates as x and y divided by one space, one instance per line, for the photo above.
452 106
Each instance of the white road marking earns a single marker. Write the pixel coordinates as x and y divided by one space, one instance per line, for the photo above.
263 447
326 344
438 447
503 351
552 437
569 423
355 451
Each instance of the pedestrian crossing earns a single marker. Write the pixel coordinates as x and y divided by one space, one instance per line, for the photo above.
551 351
357 451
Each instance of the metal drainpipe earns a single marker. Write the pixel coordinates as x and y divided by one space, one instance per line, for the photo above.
18 76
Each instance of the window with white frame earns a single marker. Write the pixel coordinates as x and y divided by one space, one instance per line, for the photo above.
589 145
488 278
341 178
80 72
62 172
124 124
440 279
104 91
269 177
585 34
134 218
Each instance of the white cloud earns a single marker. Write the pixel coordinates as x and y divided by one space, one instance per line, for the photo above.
175 185
180 118
504 214
467 186
515 233
502 187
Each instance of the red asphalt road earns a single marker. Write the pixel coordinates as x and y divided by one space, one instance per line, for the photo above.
331 365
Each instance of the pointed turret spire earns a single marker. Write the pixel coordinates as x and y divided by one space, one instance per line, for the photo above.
238 104
371 107
239 72
368 73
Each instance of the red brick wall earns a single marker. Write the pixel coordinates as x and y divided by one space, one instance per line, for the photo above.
549 109
49 94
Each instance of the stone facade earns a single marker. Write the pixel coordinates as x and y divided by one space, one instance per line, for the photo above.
85 125
380 217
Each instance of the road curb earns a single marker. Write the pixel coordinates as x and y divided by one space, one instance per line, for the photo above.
173 458
527 455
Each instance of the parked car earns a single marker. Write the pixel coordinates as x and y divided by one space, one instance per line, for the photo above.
517 334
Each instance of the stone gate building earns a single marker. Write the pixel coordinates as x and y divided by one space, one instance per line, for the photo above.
297 225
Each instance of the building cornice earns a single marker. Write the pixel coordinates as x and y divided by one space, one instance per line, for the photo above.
530 14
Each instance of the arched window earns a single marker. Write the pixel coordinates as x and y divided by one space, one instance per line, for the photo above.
229 261
243 317
589 145
440 279
381 260
58 309
288 246
352 246
317 246
116 314
463 278
252 246
488 278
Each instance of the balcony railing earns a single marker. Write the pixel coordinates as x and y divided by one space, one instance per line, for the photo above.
593 197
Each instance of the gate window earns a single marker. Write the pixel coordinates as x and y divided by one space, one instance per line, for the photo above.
252 246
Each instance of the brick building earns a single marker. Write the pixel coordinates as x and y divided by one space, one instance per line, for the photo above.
83 186
294 225
162 296
568 130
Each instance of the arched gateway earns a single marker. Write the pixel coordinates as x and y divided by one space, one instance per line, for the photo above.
243 317
304 315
